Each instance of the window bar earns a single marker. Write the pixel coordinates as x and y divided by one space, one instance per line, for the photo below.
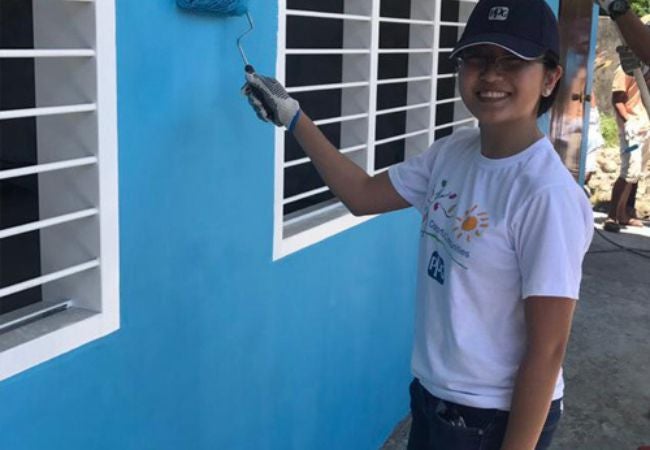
401 137
31 313
401 51
403 108
326 15
41 224
383 169
304 195
45 53
39 281
406 21
453 24
327 87
341 119
343 151
403 80
309 215
453 124
448 100
49 167
443 76
326 51
47 111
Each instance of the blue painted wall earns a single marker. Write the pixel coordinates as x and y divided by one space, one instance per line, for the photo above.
220 348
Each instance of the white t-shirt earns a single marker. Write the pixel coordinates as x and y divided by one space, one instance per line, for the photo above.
494 232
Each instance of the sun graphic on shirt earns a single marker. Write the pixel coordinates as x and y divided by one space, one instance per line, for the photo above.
471 224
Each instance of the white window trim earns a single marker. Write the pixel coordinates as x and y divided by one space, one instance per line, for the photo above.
34 343
340 219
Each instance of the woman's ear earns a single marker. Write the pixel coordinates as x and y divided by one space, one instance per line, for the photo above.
551 79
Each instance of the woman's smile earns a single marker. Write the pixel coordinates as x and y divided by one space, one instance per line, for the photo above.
492 95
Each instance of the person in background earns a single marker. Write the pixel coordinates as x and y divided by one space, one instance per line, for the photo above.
634 137
634 55
503 234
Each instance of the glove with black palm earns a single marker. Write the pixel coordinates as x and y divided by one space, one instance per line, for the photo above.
271 101
614 8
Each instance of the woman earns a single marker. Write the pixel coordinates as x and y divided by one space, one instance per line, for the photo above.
504 232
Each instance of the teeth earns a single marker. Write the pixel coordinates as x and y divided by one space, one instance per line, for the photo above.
492 94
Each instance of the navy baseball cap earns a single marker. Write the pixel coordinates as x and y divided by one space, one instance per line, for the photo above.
527 28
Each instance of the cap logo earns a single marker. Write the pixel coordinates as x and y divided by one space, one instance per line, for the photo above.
499 13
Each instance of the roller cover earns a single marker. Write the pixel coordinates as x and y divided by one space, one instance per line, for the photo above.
221 7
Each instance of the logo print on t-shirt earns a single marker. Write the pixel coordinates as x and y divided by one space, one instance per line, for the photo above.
471 224
436 268
441 200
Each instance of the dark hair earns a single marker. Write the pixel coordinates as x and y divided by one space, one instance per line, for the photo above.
551 61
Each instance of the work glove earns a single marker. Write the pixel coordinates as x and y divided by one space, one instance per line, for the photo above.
629 61
271 101
605 4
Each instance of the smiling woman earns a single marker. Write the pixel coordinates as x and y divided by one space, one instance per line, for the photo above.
501 217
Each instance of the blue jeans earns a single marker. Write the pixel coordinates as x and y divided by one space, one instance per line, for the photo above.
442 425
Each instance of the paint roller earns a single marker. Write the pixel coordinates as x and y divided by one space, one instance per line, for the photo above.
224 8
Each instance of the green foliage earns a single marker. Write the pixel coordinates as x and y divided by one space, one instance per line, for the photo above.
609 129
641 7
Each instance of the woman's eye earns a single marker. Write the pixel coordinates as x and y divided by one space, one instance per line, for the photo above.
512 63
474 60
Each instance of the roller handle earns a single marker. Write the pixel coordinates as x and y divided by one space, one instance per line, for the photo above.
250 69
260 96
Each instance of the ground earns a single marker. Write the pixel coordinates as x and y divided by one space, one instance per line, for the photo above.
607 369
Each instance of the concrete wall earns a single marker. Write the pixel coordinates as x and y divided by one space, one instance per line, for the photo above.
220 348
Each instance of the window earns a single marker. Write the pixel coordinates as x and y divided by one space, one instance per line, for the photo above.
375 76
58 179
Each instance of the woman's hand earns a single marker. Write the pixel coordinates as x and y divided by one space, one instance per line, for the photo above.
271 101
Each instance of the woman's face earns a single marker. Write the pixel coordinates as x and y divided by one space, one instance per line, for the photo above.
499 88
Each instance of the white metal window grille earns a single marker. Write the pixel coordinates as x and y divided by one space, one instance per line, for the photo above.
376 78
58 178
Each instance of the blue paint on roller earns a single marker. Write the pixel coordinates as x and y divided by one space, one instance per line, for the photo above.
220 7
224 8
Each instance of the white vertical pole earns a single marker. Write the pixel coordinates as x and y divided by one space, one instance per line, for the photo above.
280 74
374 75
434 69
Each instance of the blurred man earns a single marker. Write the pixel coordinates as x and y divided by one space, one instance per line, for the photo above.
634 136
631 116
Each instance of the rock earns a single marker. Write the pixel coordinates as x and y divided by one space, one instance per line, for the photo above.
600 197
643 208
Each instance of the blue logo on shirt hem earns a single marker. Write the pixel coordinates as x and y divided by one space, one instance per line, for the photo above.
436 268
